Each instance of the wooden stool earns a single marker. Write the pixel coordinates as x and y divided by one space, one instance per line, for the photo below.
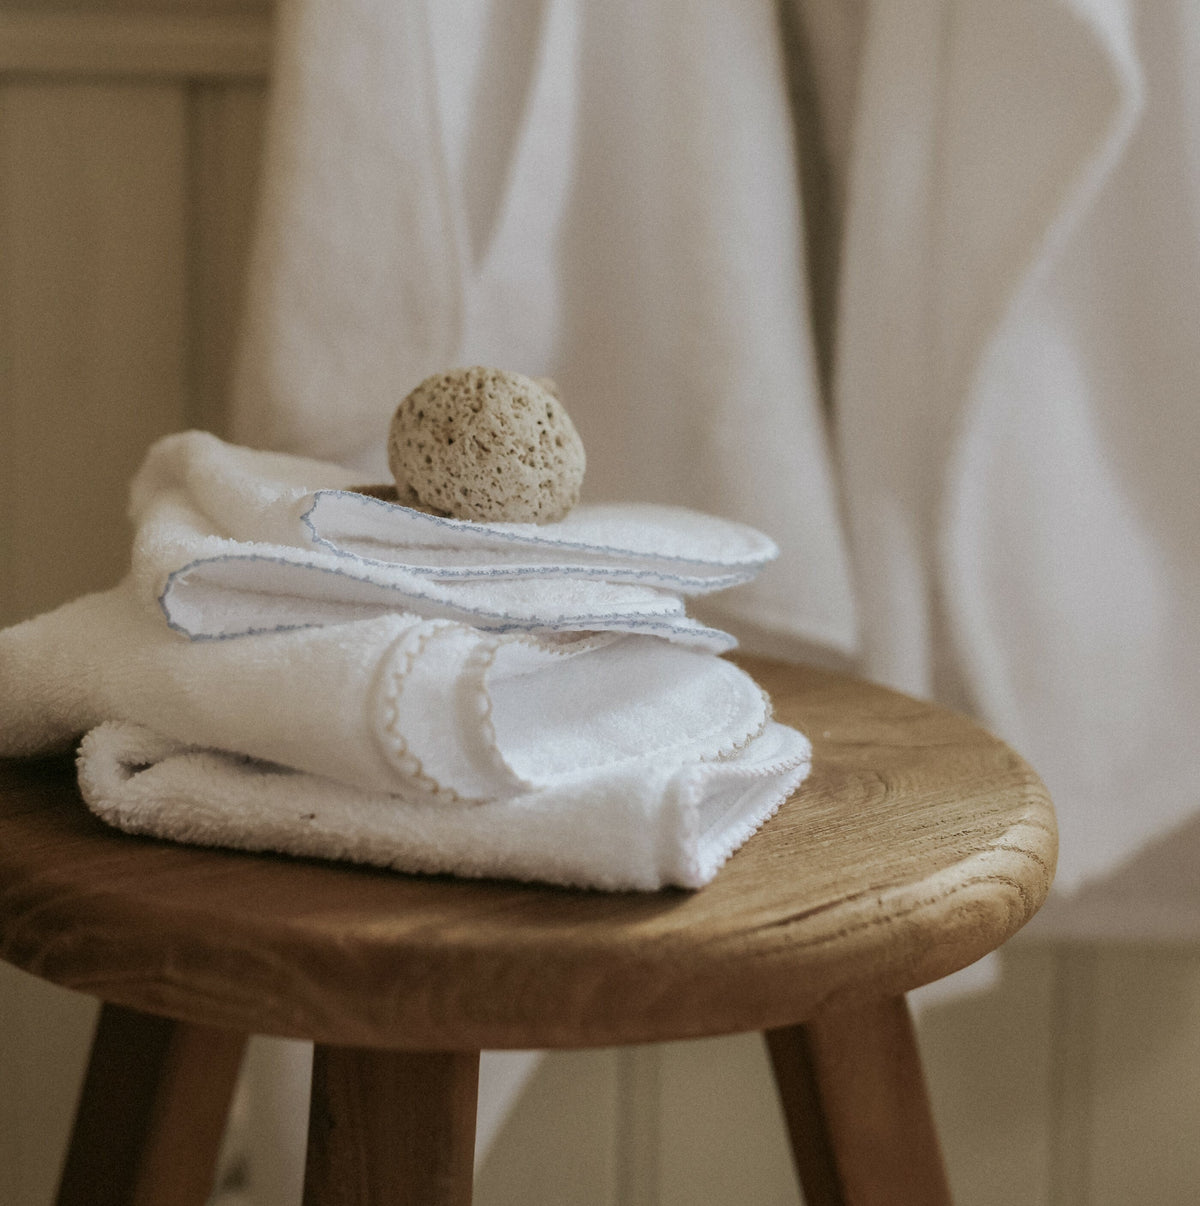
919 844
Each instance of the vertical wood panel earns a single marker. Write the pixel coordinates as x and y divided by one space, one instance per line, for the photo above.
558 1144
639 1132
1145 1141
1074 1055
278 1079
226 122
125 209
91 302
45 1036
989 1064
94 300
723 1140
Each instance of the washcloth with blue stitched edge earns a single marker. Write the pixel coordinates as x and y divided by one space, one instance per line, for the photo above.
234 541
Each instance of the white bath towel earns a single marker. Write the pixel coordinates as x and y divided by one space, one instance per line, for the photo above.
385 704
637 825
277 499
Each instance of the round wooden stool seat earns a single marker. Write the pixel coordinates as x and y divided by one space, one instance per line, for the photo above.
918 844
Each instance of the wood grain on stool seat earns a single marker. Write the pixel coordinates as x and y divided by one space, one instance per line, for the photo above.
919 843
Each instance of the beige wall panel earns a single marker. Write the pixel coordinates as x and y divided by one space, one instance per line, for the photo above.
226 143
46 1031
131 41
1073 1043
1145 1082
988 1062
721 1132
638 1136
559 1144
94 285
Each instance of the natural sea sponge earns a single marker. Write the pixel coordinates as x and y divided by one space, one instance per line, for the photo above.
487 445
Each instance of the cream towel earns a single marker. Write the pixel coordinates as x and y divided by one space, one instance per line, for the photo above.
641 825
617 761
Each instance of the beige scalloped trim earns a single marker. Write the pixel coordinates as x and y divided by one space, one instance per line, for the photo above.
478 665
736 747
395 747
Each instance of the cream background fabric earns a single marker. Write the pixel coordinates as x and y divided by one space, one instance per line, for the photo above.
1016 391
604 194
1000 235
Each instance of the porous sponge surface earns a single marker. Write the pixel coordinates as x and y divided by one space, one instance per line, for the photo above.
487 445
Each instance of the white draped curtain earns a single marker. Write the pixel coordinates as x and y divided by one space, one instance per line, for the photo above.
912 285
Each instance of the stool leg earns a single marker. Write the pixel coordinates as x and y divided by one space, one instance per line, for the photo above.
857 1111
391 1128
152 1112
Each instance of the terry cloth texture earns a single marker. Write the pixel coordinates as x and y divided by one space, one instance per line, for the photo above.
452 716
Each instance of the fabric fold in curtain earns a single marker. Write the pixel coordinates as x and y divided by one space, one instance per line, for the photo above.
602 194
1016 380
608 195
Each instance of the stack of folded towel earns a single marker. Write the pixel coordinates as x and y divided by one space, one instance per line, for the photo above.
294 665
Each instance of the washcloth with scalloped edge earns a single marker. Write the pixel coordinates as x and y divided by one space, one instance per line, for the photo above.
640 825
395 703
286 500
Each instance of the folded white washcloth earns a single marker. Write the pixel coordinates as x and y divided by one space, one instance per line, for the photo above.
641 825
258 498
209 586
